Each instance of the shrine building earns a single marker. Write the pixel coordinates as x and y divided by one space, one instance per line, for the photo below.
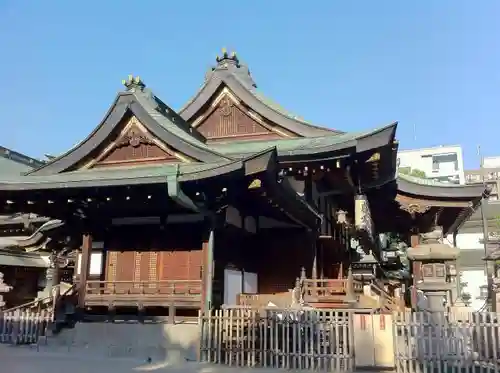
228 200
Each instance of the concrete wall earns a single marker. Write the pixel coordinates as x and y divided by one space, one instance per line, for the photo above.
157 342
179 343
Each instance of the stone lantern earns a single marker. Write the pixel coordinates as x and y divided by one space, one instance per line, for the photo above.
4 288
493 257
434 257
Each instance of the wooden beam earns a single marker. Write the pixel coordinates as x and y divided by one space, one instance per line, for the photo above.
84 269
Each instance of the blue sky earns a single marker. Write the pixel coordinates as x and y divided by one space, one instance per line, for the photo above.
432 65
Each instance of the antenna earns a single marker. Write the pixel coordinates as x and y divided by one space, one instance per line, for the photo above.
414 132
481 158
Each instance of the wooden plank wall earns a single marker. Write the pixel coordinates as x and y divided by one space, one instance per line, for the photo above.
157 256
276 255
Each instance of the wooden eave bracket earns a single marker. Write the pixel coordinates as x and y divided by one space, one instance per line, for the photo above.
178 196
292 205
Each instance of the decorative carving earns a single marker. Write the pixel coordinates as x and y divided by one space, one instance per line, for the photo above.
226 107
374 158
134 138
232 120
134 145
414 208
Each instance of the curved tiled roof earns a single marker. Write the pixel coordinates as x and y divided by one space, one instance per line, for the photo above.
14 163
160 120
302 145
236 76
425 187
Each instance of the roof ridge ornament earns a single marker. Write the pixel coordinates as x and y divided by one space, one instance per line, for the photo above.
134 83
227 58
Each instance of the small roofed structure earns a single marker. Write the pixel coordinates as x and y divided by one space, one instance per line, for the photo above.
22 271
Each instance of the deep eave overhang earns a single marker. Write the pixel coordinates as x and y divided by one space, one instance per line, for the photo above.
294 206
423 190
221 78
126 102
308 150
265 162
8 221
20 158
17 258
472 195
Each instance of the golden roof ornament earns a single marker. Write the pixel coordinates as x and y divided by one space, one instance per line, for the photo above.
226 57
132 83
374 158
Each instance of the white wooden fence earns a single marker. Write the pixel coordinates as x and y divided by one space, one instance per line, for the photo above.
335 340
24 326
274 338
442 343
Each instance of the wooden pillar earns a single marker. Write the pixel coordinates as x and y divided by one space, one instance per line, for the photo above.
350 297
208 267
84 269
204 277
415 270
56 279
314 270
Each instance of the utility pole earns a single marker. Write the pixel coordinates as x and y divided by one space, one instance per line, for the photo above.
484 218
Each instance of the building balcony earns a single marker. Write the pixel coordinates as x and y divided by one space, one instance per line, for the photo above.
176 293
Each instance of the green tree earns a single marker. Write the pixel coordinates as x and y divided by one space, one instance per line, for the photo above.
412 172
462 285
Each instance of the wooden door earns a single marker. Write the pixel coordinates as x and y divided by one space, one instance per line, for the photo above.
131 266
181 265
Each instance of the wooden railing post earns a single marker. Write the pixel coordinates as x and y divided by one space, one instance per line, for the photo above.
16 327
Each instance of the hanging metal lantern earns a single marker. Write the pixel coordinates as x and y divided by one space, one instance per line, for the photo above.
342 217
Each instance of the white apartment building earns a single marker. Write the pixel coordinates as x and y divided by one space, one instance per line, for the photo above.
442 163
488 174
470 237
470 242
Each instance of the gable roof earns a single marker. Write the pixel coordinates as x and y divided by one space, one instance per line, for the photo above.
236 76
14 163
154 114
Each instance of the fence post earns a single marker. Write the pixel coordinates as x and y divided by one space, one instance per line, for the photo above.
16 326
200 337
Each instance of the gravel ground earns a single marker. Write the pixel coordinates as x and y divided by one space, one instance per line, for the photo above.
26 360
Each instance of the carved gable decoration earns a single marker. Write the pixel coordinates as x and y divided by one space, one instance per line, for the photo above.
412 206
133 145
230 120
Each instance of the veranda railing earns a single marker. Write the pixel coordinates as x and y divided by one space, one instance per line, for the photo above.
24 325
